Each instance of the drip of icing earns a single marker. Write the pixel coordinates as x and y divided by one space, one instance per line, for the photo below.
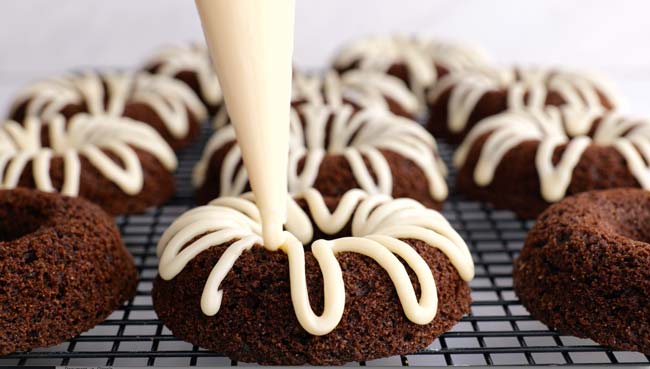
525 87
362 88
419 56
194 58
550 128
91 137
108 93
354 135
251 43
379 224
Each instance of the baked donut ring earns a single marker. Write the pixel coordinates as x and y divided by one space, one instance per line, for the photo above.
63 268
584 268
335 149
525 160
464 97
324 302
417 61
168 105
359 88
122 165
190 64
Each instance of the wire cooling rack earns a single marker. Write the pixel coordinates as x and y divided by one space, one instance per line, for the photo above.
499 331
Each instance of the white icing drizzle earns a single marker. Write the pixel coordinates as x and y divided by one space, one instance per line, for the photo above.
169 98
193 58
419 55
552 127
579 90
379 224
364 89
353 135
91 137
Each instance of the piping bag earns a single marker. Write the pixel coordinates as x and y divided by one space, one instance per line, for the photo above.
251 45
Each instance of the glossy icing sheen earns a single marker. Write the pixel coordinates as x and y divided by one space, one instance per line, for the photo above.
172 100
354 135
379 224
525 87
91 137
553 127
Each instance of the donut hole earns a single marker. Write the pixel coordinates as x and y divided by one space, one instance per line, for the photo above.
634 229
19 220
628 221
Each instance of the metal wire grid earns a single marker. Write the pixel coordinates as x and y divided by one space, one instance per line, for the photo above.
499 331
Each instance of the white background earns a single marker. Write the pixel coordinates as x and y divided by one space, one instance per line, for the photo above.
41 37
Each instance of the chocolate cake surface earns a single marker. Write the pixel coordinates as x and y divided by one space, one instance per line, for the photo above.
256 320
63 268
583 268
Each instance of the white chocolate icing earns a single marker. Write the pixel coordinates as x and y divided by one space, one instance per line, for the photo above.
90 137
379 224
251 44
353 135
192 58
362 88
551 127
419 55
525 87
169 98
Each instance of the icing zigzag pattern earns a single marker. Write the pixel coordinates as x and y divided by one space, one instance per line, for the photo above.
323 130
108 94
525 87
379 224
554 127
91 137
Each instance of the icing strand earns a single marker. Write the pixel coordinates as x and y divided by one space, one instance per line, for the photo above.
525 87
91 137
355 135
193 58
379 226
365 89
170 99
419 55
551 128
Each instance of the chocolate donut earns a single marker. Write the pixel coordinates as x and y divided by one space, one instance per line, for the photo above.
525 160
359 88
461 99
325 302
122 165
418 61
168 105
63 269
190 64
584 268
334 149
